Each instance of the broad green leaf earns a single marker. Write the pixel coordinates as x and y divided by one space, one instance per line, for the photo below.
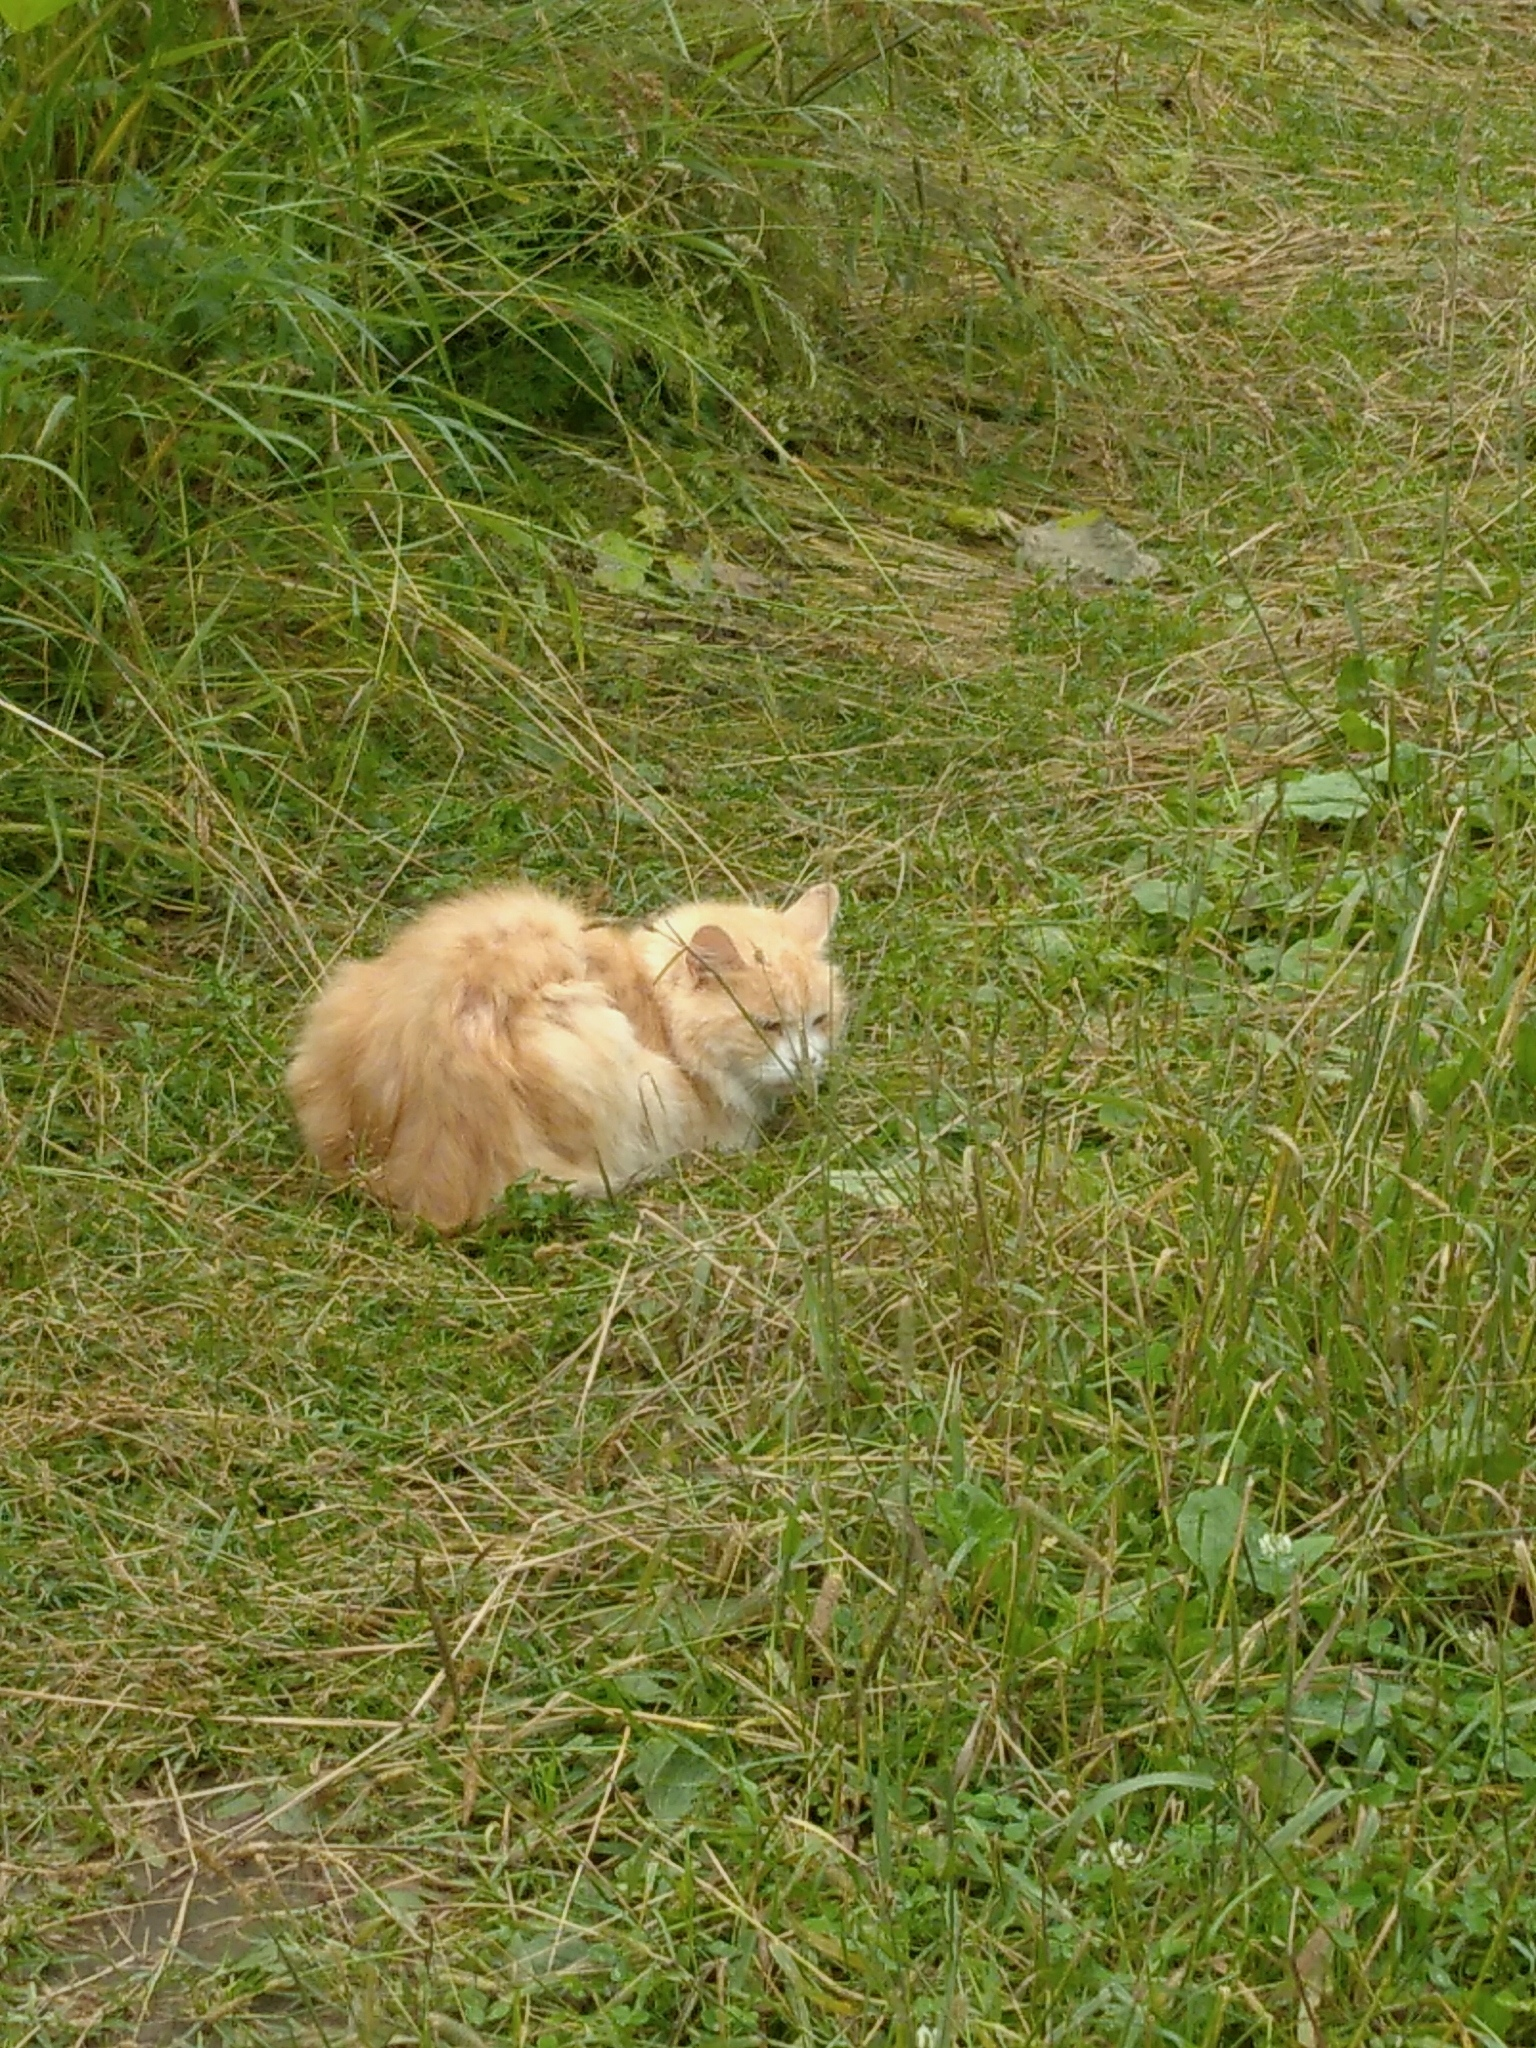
1357 1702
1179 902
689 573
621 563
1327 799
1206 1526
650 1688
1150 1363
1119 1112
29 13
1352 688
1361 733
1051 943
1403 768
1281 1780
1309 963
1515 761
672 1775
1443 1083
530 1958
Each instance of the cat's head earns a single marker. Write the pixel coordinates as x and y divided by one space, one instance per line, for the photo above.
752 995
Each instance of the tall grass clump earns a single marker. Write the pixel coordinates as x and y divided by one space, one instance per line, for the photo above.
303 302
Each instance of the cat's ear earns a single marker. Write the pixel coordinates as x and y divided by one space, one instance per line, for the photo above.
712 952
811 919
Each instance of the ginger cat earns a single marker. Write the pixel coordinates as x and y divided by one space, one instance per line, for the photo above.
501 1034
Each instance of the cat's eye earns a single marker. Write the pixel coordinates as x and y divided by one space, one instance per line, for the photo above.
819 1021
772 1025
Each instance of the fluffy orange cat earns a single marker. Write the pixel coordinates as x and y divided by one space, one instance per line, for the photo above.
501 1035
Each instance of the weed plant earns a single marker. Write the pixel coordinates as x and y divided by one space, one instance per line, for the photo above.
1041 1552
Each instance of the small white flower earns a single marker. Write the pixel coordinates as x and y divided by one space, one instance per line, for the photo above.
1275 1549
927 2037
1481 1644
1125 1855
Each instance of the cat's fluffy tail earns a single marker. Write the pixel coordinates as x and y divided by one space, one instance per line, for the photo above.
406 1064
322 1073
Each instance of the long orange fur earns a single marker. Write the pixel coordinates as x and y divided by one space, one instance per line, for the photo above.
502 1035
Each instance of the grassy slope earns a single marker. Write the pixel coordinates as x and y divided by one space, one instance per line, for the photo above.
844 1594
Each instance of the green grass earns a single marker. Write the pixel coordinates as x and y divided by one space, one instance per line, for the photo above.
1043 1550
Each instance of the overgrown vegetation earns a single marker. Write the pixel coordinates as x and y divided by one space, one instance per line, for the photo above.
1041 1552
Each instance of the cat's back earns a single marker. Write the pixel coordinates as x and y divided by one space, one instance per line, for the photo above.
471 960
494 925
